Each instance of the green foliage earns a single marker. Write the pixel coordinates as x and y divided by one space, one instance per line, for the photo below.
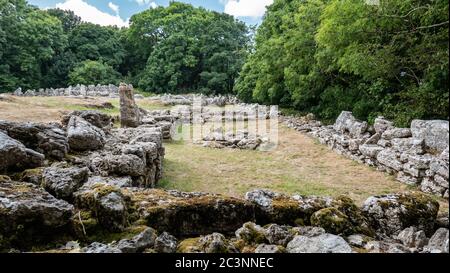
93 72
325 56
182 49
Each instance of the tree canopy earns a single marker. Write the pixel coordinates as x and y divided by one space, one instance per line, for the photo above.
326 56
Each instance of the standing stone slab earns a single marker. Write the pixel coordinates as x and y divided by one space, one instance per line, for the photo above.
129 112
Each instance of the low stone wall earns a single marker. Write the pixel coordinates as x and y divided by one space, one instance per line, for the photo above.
418 155
78 90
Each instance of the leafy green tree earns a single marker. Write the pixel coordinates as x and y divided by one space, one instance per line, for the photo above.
67 18
97 43
29 37
182 48
93 72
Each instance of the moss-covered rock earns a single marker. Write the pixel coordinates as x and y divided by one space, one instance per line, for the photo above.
251 234
29 215
332 220
390 214
189 214
107 203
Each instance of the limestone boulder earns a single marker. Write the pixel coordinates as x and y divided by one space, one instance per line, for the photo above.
434 132
28 215
390 214
324 243
84 136
63 182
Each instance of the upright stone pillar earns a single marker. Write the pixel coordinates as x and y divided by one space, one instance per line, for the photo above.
129 112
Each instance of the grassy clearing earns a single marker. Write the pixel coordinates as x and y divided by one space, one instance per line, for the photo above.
298 165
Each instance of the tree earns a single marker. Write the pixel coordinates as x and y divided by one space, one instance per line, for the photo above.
96 43
67 17
182 49
30 37
93 72
325 56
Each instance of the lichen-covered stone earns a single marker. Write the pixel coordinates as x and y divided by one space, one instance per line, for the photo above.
15 156
251 233
84 136
190 214
108 204
28 214
390 214
264 248
439 242
166 243
324 243
63 182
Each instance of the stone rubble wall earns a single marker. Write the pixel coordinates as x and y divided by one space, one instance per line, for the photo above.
417 156
78 90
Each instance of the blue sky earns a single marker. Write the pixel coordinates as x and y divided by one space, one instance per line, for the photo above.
117 12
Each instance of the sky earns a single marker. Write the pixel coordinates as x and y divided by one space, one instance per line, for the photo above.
118 12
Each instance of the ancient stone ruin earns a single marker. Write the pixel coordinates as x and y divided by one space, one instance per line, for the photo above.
417 156
83 186
129 112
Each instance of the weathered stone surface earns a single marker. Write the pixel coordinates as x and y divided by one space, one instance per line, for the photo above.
100 248
28 214
278 235
84 136
166 243
370 150
358 240
438 243
381 124
392 133
14 155
263 248
145 239
325 243
215 243
251 233
434 132
347 123
63 182
390 214
47 139
95 118
390 158
413 238
109 205
385 247
129 112
189 214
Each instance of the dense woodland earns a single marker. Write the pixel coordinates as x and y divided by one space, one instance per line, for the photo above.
386 57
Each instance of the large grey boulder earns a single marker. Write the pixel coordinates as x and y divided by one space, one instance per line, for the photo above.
434 132
14 155
84 136
63 182
47 139
390 214
29 214
347 123
324 243
95 118
438 243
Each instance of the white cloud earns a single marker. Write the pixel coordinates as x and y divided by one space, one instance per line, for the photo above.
113 7
91 14
247 8
150 3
